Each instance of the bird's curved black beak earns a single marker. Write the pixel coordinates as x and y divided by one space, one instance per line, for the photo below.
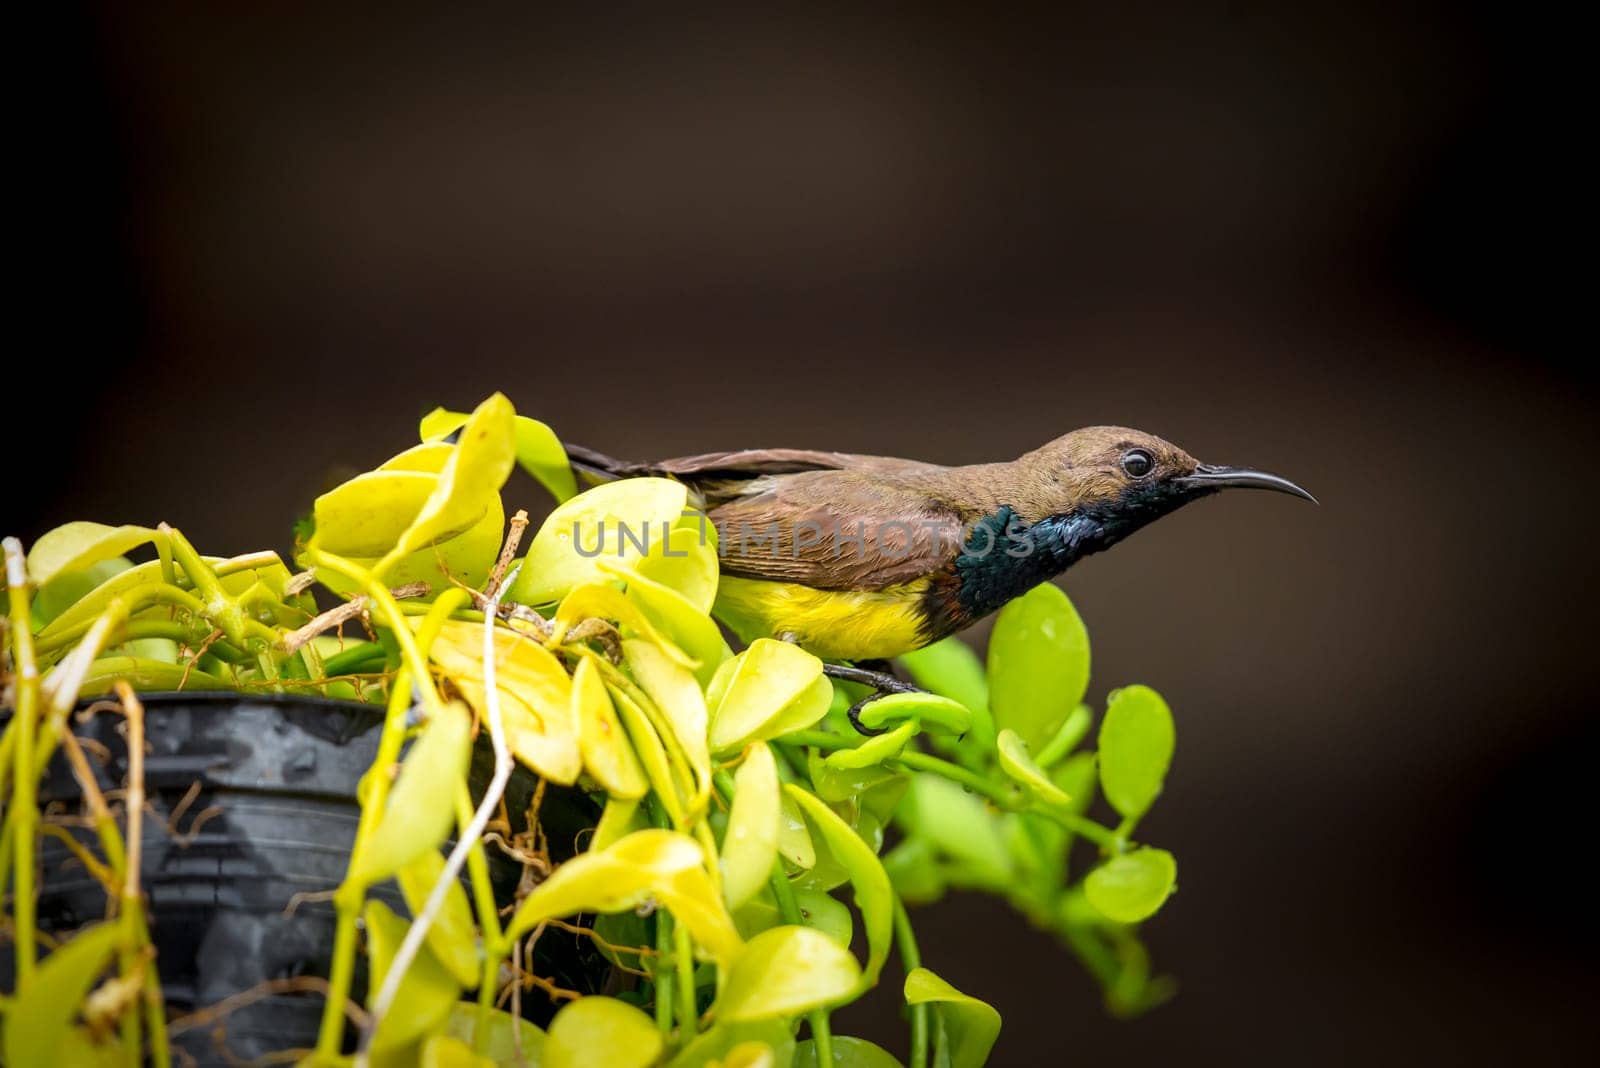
1208 477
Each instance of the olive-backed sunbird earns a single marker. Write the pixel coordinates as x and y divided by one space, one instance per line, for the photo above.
868 557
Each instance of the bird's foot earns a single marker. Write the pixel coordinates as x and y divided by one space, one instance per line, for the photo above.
874 673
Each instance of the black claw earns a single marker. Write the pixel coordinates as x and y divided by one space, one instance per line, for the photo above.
881 681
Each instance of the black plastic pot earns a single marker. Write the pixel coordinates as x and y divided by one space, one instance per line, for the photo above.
275 816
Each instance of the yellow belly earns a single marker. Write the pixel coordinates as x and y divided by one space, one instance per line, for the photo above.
833 624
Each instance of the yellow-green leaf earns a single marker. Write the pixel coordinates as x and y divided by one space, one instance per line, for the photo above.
660 864
453 936
619 818
674 690
601 1032
615 522
1038 664
652 752
1136 743
473 474
535 694
969 1026
442 1051
751 844
1016 762
873 894
419 813
774 687
80 545
501 1047
1133 886
786 972
38 1020
724 1038
607 753
539 451
688 627
601 600
685 560
427 990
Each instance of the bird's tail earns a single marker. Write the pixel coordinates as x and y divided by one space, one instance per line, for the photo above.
597 467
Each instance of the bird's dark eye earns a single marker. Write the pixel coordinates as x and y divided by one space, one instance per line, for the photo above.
1136 463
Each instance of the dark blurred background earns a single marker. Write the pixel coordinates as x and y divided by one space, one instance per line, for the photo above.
1333 242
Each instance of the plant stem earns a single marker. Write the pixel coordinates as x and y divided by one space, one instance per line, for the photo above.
683 959
348 898
789 909
911 957
820 740
469 835
24 810
663 971
1002 795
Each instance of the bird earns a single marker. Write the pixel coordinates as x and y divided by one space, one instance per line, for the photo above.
864 558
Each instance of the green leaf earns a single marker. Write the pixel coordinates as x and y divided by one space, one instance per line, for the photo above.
1073 730
873 894
607 753
847 1053
750 845
601 1032
1133 886
619 818
794 840
934 712
453 936
959 825
913 868
660 864
463 1024
539 453
786 972
38 1020
79 546
427 990
613 523
148 676
969 1026
419 814
1136 743
772 688
1038 664
1016 762
951 669
477 468
68 588
876 750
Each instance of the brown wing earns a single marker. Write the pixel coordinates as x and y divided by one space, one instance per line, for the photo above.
865 528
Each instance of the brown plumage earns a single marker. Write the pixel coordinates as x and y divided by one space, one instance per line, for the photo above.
912 531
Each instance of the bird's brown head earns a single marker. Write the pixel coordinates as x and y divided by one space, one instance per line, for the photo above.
1099 484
